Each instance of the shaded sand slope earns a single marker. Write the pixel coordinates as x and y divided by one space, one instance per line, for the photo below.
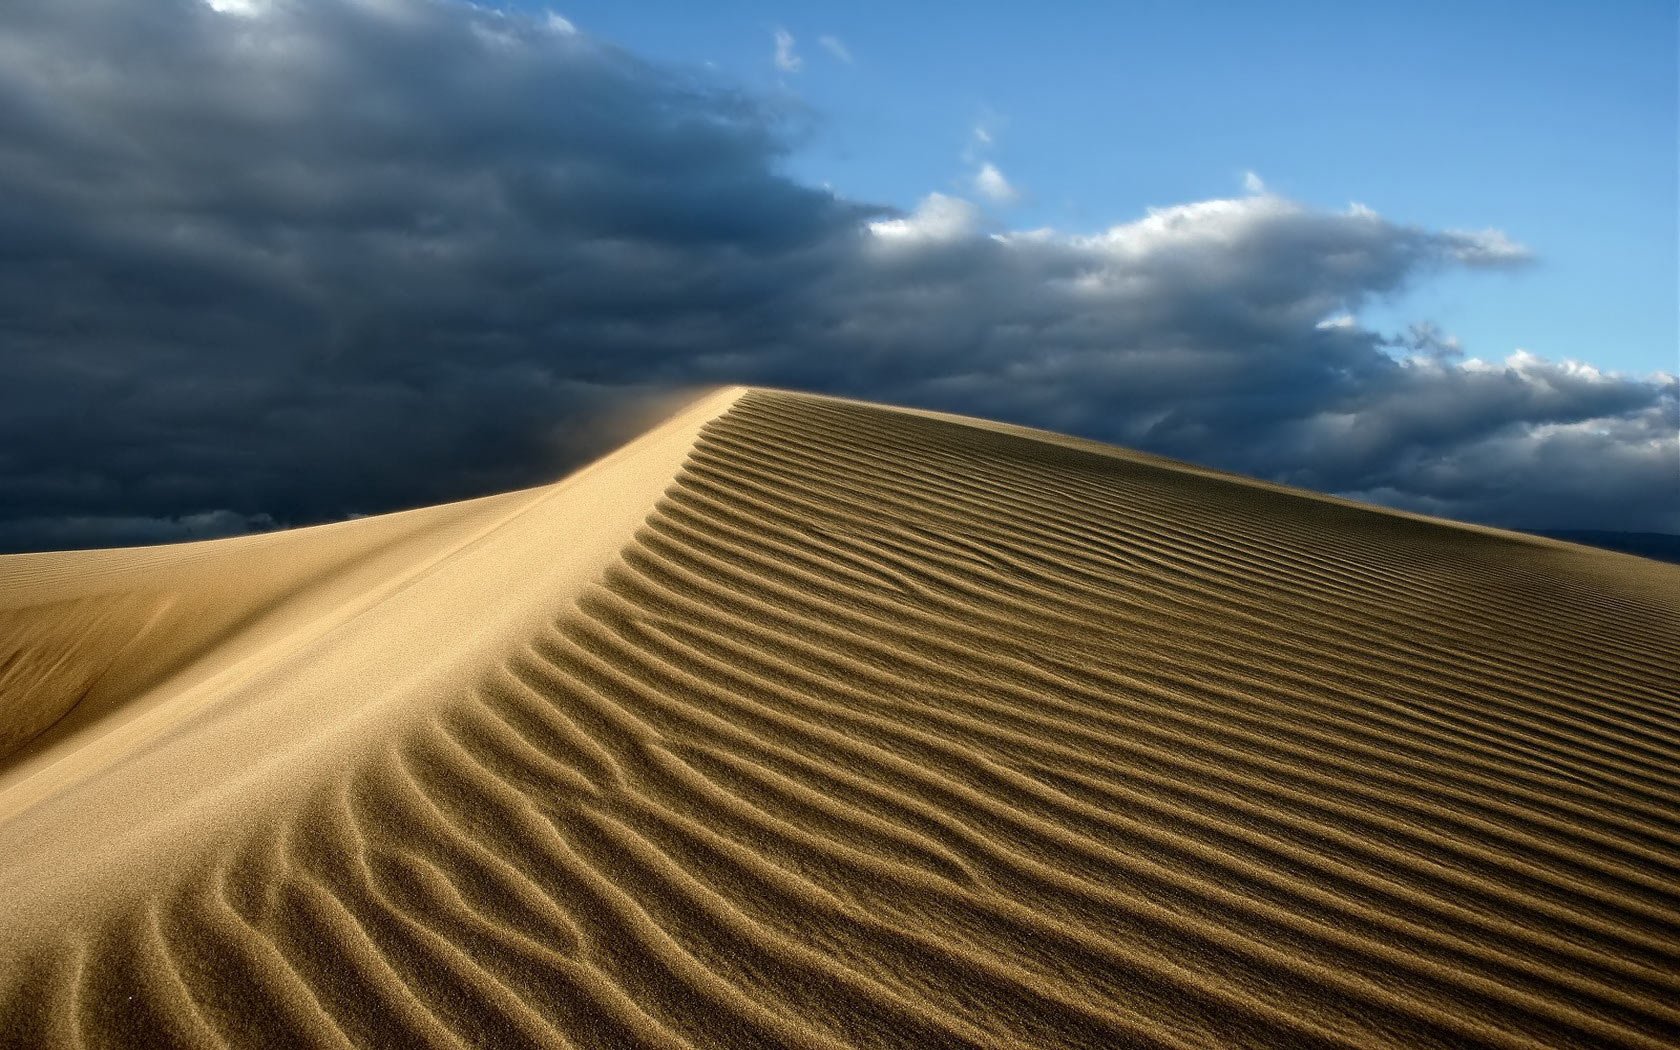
216 679
810 723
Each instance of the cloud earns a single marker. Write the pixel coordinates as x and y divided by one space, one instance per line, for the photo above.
990 183
1252 183
1425 339
787 59
354 255
241 8
937 219
981 138
1487 247
834 46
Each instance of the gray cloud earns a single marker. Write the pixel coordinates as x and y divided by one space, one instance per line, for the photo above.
343 256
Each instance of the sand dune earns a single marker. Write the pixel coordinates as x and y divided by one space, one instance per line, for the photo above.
802 722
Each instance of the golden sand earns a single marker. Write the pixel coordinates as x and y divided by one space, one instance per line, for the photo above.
803 722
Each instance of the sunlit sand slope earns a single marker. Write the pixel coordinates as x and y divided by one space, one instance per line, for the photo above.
878 728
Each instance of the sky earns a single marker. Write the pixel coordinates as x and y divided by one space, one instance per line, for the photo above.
267 263
1555 122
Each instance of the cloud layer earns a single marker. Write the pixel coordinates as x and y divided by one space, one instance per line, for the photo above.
283 262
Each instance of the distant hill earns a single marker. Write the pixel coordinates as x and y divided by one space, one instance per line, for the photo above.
1659 545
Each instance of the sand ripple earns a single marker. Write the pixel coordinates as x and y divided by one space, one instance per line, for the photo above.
889 730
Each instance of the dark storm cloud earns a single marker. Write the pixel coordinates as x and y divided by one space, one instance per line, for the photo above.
287 261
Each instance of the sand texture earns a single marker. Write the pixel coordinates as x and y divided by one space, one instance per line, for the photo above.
801 722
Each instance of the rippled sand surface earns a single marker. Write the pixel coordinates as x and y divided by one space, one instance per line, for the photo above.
803 722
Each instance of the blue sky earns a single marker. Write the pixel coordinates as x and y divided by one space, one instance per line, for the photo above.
1554 122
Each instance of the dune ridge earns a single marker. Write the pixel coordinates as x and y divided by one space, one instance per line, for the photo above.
862 727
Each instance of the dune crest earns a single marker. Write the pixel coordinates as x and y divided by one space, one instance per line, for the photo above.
805 722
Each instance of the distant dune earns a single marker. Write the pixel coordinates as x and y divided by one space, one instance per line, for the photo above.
804 722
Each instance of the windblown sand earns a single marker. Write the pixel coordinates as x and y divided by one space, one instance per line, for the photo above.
800 722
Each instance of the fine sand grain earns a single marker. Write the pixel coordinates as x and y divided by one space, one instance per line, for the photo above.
803 722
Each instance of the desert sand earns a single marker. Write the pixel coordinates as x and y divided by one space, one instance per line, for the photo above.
805 722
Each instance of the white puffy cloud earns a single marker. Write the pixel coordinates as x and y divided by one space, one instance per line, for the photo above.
938 218
240 8
990 183
1196 225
